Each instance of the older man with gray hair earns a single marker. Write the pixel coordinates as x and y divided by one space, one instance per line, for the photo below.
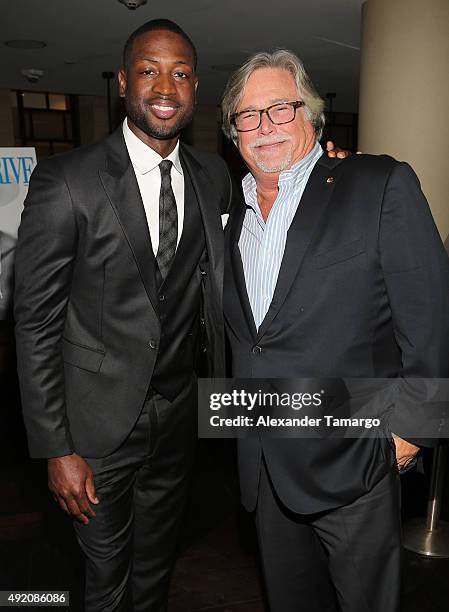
334 269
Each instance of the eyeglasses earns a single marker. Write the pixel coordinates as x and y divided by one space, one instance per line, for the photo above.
282 112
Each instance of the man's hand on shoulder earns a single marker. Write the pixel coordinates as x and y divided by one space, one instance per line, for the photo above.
71 482
405 451
333 151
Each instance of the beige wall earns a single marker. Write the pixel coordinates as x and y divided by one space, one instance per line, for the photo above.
6 119
93 118
404 91
204 132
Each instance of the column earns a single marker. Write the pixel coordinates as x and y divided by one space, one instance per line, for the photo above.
404 91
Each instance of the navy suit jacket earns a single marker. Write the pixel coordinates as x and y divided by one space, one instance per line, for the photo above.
363 292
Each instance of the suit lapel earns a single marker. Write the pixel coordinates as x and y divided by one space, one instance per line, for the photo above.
235 229
120 184
305 223
208 202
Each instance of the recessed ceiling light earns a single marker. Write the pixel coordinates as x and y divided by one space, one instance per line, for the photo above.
26 44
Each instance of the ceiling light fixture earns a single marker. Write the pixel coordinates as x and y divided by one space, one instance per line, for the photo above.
25 44
132 5
32 75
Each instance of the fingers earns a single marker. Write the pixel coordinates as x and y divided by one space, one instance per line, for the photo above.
61 502
70 480
76 503
85 508
71 508
90 490
406 463
333 151
404 459
330 149
78 510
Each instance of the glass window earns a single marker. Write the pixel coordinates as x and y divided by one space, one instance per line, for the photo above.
58 102
32 99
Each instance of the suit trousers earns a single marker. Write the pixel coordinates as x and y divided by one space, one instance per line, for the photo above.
347 559
130 546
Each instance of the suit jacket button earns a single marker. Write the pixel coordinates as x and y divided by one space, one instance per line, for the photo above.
152 344
256 350
161 297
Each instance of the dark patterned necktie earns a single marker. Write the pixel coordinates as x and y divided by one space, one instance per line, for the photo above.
168 220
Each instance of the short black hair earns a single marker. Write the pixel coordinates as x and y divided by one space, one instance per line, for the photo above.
151 26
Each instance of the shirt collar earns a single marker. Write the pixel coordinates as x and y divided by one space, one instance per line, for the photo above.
291 175
143 157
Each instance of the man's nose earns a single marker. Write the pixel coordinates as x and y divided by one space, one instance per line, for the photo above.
266 125
164 85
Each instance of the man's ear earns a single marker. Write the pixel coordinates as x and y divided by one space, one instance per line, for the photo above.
122 82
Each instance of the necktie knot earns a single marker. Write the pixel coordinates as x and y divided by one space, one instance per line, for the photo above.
165 167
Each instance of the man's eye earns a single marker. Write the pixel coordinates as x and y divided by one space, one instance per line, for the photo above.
181 75
148 71
280 108
249 115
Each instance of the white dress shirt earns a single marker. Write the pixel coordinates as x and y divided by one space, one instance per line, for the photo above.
146 162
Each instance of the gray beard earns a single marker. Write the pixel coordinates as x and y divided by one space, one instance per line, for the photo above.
280 167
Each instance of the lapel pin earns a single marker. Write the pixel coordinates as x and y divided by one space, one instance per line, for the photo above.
330 179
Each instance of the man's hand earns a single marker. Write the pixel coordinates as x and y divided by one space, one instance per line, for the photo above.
71 482
405 452
334 151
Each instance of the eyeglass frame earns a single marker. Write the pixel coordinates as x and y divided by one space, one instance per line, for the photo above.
295 104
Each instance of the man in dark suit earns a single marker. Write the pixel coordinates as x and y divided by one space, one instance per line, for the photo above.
119 266
332 269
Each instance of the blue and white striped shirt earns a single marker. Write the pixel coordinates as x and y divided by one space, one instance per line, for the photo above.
262 244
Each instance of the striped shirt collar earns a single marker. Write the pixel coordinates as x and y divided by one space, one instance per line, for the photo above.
287 178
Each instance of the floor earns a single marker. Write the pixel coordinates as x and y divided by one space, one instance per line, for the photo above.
217 568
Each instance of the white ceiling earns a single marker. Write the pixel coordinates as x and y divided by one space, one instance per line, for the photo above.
90 33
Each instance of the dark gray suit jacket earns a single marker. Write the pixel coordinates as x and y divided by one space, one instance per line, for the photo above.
363 291
87 328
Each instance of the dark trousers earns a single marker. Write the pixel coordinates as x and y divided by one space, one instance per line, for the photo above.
346 559
130 546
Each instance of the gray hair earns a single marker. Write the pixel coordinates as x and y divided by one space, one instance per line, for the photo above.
281 58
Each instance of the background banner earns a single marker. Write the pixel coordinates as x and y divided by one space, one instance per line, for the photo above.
16 166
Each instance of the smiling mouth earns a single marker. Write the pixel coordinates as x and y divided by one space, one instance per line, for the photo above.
272 146
164 111
265 144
